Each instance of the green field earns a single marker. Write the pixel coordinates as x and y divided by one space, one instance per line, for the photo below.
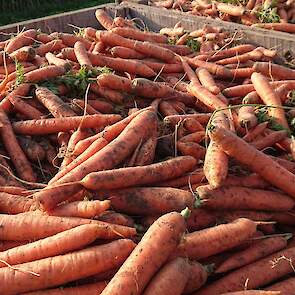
19 10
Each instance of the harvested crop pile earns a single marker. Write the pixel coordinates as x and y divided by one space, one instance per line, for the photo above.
132 166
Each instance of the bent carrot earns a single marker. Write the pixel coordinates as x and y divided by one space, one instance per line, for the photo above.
140 266
104 19
88 262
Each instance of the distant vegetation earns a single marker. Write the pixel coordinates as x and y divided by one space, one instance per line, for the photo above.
19 10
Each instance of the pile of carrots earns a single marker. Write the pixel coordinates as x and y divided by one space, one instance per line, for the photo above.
268 14
133 166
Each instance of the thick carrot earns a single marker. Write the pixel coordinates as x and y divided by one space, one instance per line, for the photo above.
247 118
52 46
14 150
122 146
270 139
254 159
23 39
273 70
81 54
146 48
70 39
109 94
253 181
104 19
14 204
116 82
101 106
42 226
207 80
87 289
270 269
69 240
150 200
55 125
53 60
174 120
286 287
166 109
45 73
216 161
161 239
26 53
194 137
6 245
124 52
197 277
210 241
116 218
171 278
255 252
82 209
270 98
87 262
235 197
191 149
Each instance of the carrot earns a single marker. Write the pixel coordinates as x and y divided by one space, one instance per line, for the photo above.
273 70
14 150
122 146
192 125
230 9
104 19
171 278
54 125
26 53
109 94
139 35
42 226
6 245
197 277
15 190
269 97
286 287
270 269
255 252
23 39
270 139
43 37
252 181
247 117
88 262
161 239
115 82
210 241
216 161
255 132
191 149
45 73
70 40
194 137
69 240
166 109
283 27
150 200
87 289
32 149
24 108
53 60
116 218
101 106
52 46
14 204
146 48
173 120
146 153
82 209
81 55
127 53
244 198
207 80
255 54
254 159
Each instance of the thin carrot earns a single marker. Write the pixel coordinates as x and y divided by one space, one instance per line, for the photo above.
88 262
252 181
161 239
270 139
254 159
42 226
81 54
210 241
252 292
171 278
255 132
54 125
284 27
174 120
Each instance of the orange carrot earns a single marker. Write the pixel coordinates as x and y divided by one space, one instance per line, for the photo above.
140 266
26 53
191 149
270 139
81 55
166 109
252 292
52 46
101 106
42 226
23 39
127 53
207 80
14 150
194 137
70 40
171 278
45 73
104 19
270 268
150 200
116 218
230 216
273 70
53 60
146 153
14 204
254 159
289 28
210 241
54 125
174 120
270 98
115 82
255 132
252 181
247 117
88 262
109 94
43 37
